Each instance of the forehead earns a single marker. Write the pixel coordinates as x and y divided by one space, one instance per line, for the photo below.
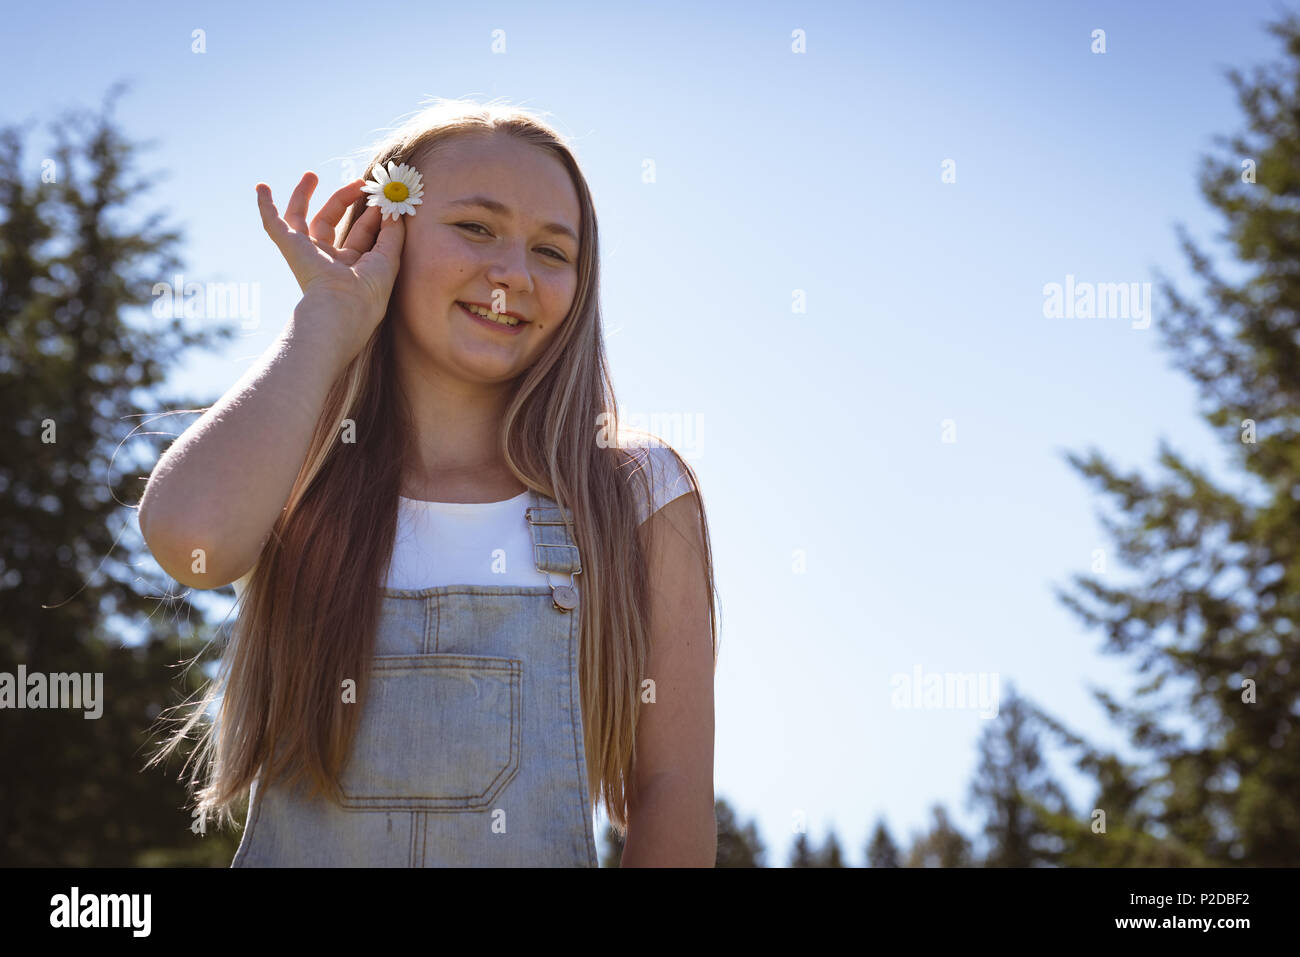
530 181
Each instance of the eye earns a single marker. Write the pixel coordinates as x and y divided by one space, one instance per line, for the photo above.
558 255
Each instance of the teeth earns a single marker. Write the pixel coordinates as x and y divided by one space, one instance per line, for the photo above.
493 316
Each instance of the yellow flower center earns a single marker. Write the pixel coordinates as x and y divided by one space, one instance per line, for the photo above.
395 191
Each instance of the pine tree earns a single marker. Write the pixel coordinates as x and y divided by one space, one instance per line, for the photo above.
738 845
881 850
1212 622
801 853
1014 788
73 791
942 846
831 855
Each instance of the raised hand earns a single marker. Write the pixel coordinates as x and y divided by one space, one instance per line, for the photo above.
353 281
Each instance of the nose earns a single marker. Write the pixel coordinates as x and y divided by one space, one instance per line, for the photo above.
510 269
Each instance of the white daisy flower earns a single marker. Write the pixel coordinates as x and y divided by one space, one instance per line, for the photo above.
395 190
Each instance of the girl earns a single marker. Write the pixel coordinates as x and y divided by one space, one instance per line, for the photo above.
469 612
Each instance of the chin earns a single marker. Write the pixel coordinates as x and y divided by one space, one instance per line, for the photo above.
474 368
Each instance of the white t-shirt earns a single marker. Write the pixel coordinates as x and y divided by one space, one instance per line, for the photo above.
490 543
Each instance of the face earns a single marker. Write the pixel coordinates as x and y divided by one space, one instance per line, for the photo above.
509 258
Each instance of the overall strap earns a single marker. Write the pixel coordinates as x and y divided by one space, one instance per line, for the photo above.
554 549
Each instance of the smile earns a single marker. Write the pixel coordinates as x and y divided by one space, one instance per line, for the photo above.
489 316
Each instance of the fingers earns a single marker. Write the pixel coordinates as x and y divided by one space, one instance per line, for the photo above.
295 214
386 255
271 220
362 234
327 218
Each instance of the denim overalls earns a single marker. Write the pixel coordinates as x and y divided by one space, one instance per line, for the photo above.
470 747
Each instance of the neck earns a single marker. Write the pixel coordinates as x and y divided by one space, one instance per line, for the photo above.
454 454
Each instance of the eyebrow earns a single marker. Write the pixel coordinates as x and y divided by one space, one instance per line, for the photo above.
488 203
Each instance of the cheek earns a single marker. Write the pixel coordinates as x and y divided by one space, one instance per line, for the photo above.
559 294
430 264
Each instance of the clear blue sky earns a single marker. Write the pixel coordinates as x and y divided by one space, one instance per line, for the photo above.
777 171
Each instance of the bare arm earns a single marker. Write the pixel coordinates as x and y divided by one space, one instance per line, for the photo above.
671 820
222 484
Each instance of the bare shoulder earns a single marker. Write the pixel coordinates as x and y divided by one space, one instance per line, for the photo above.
660 475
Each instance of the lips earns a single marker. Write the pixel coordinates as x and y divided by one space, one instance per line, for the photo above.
498 326
480 305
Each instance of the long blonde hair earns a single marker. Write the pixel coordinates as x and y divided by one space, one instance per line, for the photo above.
313 595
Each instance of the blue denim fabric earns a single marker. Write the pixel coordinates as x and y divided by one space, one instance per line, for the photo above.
470 748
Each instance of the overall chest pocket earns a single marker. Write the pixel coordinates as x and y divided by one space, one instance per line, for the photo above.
437 732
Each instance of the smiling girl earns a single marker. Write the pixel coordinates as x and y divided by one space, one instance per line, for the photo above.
466 616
